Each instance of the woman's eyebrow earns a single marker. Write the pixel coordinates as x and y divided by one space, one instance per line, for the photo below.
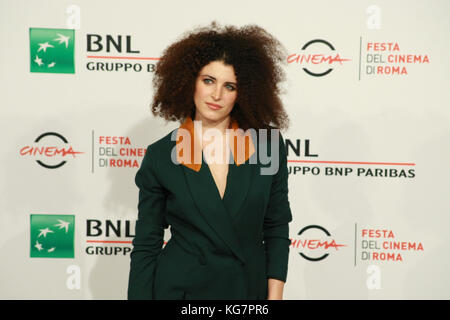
207 75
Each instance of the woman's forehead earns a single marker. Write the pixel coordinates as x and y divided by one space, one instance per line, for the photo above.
219 70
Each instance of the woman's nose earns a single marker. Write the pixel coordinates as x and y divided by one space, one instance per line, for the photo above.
217 93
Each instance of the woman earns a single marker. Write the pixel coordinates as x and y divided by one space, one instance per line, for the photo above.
229 219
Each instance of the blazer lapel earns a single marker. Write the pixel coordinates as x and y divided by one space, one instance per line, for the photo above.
238 184
218 213
207 199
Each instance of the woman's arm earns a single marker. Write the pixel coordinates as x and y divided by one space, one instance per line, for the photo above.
276 228
275 289
149 236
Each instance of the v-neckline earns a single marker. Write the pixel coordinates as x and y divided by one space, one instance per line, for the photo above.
227 179
206 194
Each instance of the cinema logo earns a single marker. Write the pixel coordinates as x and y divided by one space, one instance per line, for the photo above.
109 237
104 48
386 58
315 243
318 57
118 152
50 150
382 245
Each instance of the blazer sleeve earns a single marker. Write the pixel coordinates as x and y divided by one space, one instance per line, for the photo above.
150 225
276 221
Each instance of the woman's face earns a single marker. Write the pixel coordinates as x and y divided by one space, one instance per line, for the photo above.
215 93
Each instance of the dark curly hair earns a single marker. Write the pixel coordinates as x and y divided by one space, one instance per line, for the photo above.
256 57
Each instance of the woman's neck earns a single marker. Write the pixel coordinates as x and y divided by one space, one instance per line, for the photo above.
221 125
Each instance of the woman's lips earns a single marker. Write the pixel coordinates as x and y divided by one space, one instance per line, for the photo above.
213 106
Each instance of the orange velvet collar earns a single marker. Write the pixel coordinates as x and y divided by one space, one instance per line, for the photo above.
189 144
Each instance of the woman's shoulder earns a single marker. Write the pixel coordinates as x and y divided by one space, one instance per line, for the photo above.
163 144
269 135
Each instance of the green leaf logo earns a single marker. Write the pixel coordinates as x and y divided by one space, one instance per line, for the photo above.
52 50
52 236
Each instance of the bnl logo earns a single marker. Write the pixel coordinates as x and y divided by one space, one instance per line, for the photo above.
52 50
52 236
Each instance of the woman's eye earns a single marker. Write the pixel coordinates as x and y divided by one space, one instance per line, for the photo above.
207 80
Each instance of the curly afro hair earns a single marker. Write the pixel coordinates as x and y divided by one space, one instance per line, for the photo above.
256 57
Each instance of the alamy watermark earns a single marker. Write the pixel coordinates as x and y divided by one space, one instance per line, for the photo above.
216 152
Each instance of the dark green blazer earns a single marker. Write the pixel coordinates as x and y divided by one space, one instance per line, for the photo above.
219 248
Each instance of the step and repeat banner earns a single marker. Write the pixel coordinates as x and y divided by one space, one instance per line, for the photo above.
367 93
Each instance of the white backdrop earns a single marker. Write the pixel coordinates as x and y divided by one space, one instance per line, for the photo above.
368 142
